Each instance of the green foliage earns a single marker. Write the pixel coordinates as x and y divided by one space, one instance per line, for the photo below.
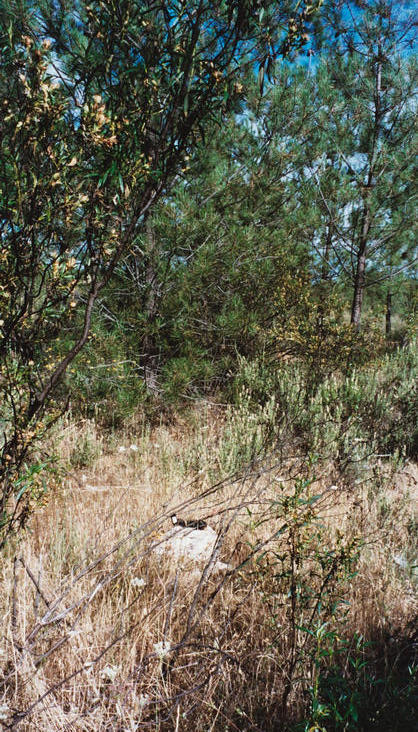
104 383
304 577
346 417
40 202
87 447
30 489
215 275
360 167
338 680
102 102
353 693
183 376
254 249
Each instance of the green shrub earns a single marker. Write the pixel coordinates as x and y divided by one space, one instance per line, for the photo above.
349 417
355 692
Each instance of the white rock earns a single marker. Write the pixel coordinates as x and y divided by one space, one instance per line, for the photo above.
400 560
4 712
192 544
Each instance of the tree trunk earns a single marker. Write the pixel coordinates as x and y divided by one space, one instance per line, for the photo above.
359 284
151 309
388 314
360 276
325 276
325 273
366 218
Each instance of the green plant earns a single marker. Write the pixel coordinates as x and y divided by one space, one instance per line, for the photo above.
352 694
305 576
350 418
30 490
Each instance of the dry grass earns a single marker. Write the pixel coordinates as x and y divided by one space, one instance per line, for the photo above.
100 633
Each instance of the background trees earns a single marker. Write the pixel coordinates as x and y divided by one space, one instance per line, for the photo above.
263 242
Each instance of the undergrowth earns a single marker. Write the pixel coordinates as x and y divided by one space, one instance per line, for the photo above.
310 628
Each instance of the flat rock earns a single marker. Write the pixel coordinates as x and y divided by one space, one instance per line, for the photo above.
191 544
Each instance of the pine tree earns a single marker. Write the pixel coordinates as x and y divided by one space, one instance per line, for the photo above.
361 167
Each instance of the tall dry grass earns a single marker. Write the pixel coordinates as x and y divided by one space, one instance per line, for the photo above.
99 632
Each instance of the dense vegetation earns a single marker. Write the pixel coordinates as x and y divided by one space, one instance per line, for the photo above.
207 216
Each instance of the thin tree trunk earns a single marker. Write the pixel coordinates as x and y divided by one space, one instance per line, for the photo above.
359 284
388 314
151 308
325 276
325 257
360 275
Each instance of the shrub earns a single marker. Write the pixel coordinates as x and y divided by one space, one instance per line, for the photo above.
349 417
